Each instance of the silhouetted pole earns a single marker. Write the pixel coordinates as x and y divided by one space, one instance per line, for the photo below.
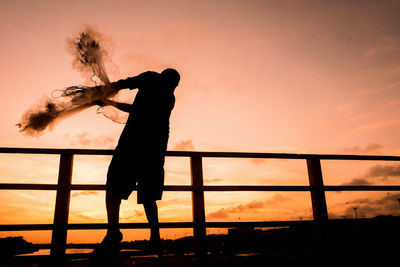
320 210
59 235
355 212
398 199
199 218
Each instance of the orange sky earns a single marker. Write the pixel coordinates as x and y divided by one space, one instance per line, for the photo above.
257 76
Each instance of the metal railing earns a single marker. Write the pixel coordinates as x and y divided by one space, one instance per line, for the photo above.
60 224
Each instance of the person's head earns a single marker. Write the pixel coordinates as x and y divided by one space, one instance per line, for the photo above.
171 77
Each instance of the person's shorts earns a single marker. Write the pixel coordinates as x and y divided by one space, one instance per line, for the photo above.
127 173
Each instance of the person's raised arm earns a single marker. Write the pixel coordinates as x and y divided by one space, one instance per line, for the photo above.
125 83
121 106
133 82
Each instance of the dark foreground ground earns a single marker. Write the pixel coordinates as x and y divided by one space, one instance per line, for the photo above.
323 255
372 242
174 261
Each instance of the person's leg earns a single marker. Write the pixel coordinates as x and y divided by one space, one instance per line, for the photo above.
113 203
150 208
151 211
110 243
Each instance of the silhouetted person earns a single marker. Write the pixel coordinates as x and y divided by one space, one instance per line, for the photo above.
138 159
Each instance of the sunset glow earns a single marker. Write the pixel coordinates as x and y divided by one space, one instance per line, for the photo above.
256 76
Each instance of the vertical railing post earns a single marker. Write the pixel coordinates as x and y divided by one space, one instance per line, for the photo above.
59 235
318 200
199 218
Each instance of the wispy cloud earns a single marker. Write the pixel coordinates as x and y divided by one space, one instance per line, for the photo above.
84 193
387 205
88 140
173 202
213 180
220 214
368 149
258 161
133 216
359 181
383 171
375 174
393 72
383 46
78 215
184 145
378 90
377 125
251 206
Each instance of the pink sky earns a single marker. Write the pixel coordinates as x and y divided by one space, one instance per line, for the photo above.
257 76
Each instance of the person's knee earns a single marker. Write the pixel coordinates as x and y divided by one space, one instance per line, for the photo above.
149 204
150 208
112 199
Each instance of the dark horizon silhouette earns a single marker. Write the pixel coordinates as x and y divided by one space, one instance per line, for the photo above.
348 241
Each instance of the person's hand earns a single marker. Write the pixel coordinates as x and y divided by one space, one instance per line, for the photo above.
100 103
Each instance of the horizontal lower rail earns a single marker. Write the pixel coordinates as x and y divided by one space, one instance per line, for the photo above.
362 188
203 154
99 226
97 187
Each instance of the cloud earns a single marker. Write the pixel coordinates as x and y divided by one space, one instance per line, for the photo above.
258 161
220 214
393 72
278 198
132 217
253 205
358 201
375 174
88 140
83 217
383 171
173 202
84 193
184 145
383 46
358 181
387 205
215 180
374 126
138 213
368 149
378 90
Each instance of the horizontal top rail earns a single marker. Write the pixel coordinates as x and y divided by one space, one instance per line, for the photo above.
285 188
203 154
